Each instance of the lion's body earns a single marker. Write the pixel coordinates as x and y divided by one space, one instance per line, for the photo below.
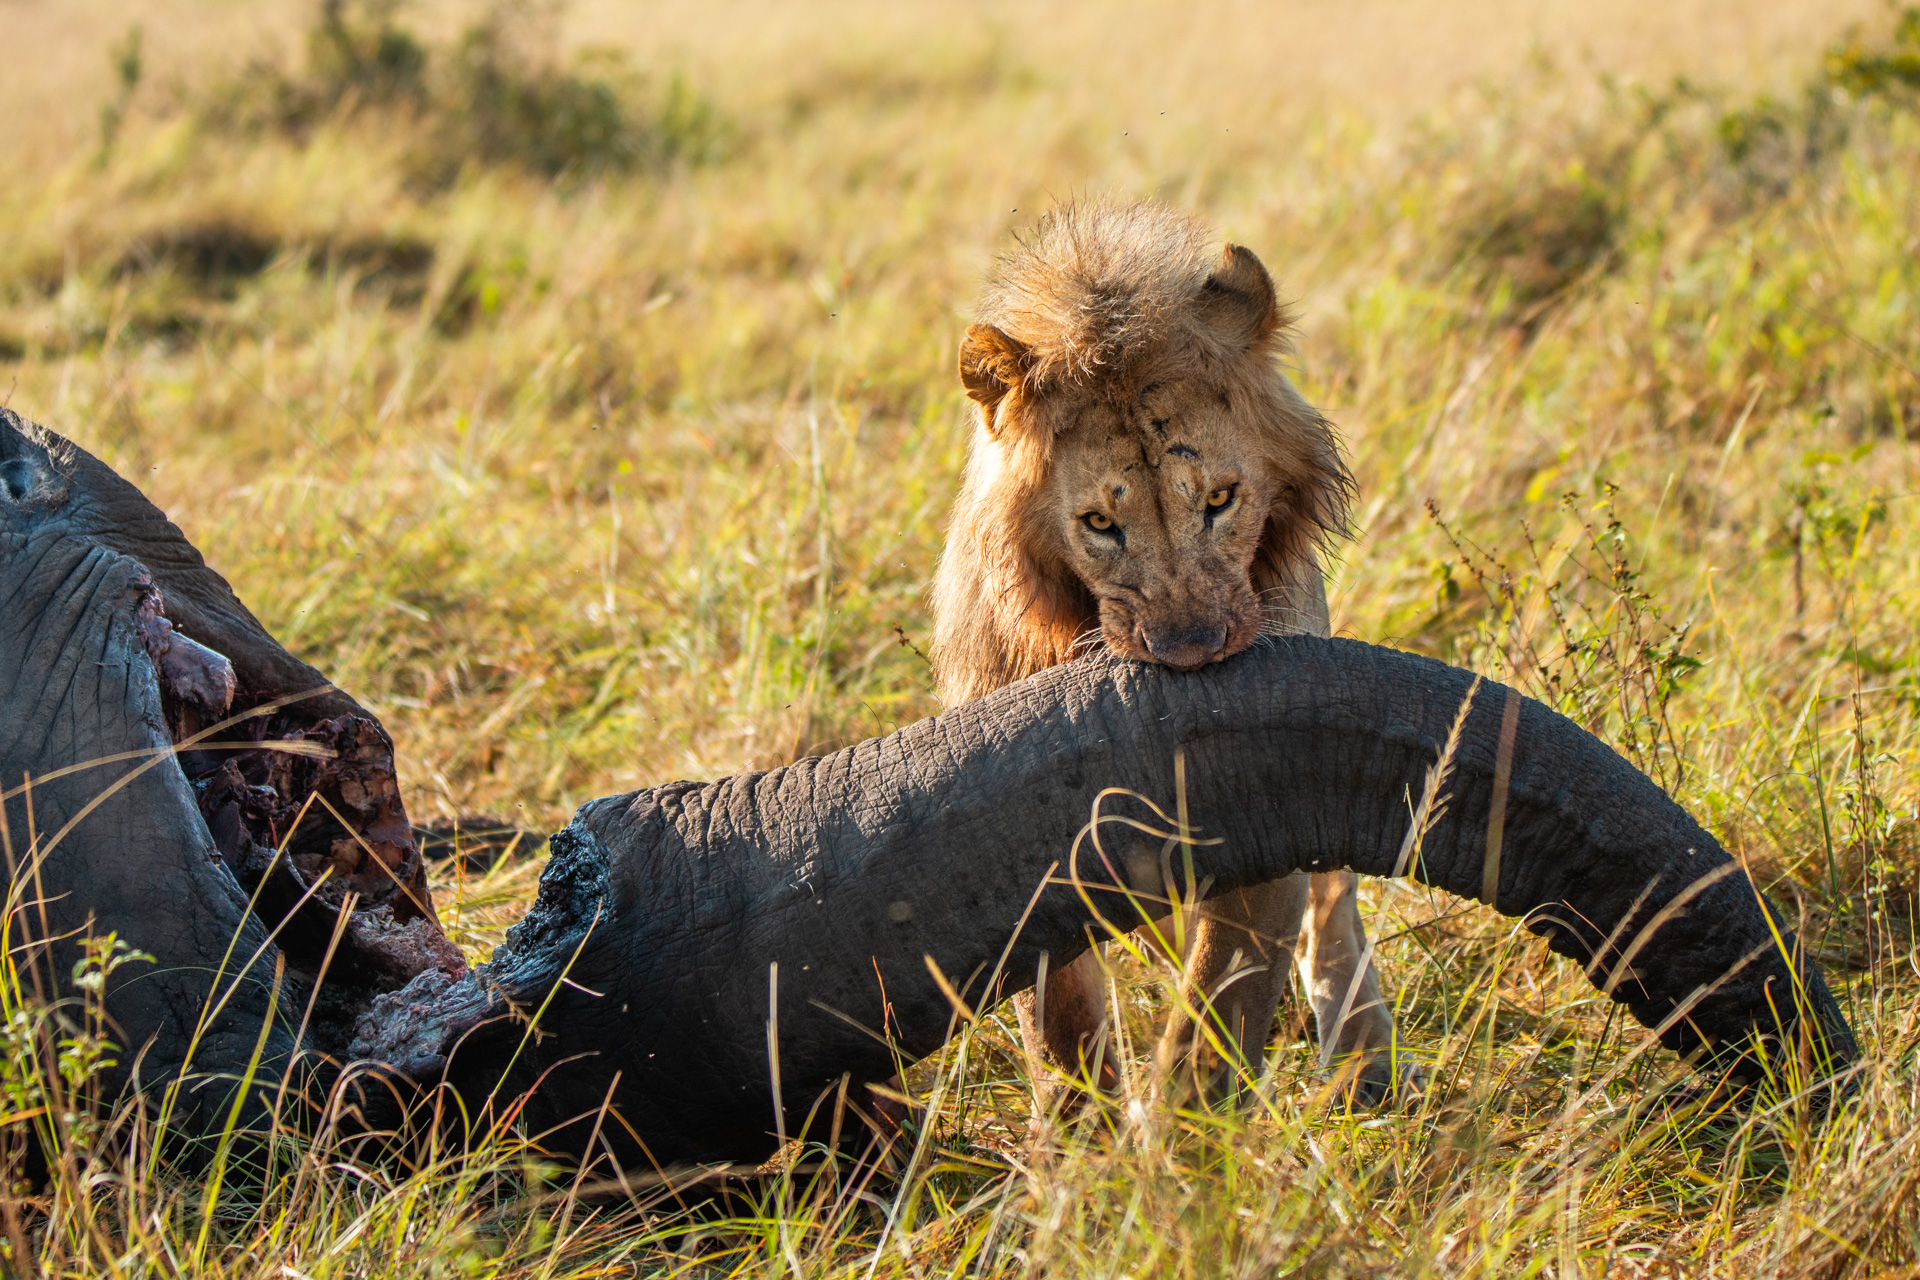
1143 475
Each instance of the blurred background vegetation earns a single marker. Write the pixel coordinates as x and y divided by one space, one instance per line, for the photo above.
575 386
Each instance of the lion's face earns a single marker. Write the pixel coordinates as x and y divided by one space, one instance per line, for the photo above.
1157 506
1142 473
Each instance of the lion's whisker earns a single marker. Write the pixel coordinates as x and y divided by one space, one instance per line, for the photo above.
1087 640
1279 621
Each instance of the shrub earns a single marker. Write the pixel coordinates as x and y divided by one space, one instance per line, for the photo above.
485 98
1768 141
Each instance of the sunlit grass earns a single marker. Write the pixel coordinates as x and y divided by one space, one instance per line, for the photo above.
593 483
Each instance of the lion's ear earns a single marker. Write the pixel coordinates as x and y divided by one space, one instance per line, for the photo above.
990 364
1238 300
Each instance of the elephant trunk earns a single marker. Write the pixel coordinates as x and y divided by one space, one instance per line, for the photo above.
832 899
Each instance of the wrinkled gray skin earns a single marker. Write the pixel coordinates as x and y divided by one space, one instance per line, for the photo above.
666 908
76 684
1299 756
142 865
101 601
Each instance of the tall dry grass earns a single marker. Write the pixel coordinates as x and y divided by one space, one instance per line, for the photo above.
593 479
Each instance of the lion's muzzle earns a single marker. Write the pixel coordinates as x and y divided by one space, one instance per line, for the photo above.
1185 648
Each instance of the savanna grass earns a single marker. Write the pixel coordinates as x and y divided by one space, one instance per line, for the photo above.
587 478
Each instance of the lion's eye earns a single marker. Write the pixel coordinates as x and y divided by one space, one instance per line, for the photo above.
1097 521
1220 498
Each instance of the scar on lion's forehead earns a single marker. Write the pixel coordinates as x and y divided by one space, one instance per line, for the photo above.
1183 451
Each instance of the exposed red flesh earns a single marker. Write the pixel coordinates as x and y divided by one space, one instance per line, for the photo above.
311 823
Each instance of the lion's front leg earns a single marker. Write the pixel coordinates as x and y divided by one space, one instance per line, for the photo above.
1355 1024
1063 1026
1236 973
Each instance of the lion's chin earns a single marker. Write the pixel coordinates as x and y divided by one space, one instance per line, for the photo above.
1126 648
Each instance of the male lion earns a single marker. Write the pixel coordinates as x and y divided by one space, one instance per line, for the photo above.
1143 475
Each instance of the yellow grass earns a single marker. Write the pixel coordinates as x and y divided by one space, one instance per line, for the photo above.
591 483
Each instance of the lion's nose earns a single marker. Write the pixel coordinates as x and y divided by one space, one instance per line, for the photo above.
1185 648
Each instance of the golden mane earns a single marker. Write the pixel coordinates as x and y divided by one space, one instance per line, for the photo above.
1097 285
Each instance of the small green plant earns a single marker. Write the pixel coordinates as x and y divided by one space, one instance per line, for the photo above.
363 52
56 1121
1582 630
127 71
1885 70
1824 519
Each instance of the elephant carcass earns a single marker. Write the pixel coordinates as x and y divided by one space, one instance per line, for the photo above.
274 833
840 898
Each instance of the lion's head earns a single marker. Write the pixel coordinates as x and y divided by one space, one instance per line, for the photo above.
1142 472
